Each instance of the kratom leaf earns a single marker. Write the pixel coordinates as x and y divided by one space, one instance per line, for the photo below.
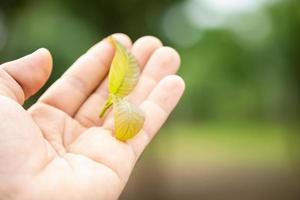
129 119
122 78
124 71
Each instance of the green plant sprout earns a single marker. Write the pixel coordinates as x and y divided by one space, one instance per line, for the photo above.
122 78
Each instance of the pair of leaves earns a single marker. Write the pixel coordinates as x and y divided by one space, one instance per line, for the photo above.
123 76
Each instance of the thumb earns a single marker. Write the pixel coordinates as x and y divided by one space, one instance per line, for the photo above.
22 78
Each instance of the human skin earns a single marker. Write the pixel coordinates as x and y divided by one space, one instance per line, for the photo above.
59 149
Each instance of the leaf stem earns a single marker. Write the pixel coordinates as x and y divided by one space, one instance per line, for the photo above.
106 106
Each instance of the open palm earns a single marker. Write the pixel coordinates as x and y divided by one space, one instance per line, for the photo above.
59 148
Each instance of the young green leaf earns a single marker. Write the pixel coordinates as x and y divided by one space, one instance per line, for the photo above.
129 119
122 78
123 74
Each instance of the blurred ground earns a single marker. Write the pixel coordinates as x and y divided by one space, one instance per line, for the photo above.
219 162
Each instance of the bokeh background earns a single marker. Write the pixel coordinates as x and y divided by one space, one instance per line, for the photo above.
235 134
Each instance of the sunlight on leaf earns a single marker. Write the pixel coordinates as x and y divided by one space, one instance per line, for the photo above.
129 119
122 78
124 71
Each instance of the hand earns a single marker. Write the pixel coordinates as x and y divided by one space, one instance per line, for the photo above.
59 148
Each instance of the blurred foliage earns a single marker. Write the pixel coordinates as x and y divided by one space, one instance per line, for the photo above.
231 71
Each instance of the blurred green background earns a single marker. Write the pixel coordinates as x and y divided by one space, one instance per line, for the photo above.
235 134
